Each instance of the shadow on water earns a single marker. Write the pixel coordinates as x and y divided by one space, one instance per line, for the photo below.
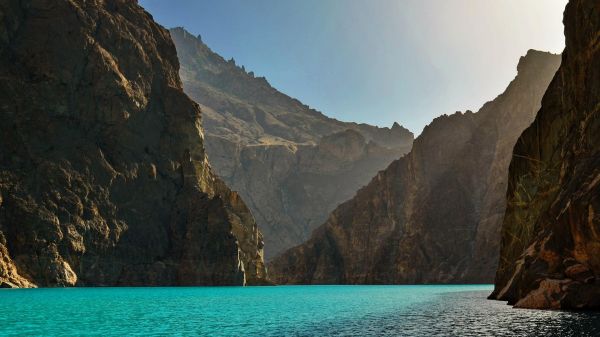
459 314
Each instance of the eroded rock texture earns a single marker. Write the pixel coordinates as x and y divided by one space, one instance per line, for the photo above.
551 234
290 163
433 216
103 175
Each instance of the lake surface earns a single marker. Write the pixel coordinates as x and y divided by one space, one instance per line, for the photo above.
457 310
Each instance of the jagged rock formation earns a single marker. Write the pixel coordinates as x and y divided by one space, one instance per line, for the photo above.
550 254
434 215
290 163
103 175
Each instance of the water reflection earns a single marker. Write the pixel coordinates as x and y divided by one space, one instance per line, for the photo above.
471 314
461 314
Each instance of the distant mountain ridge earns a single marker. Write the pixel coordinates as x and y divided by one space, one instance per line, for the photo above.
291 164
275 116
433 216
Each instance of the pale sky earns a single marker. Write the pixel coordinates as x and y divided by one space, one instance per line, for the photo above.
376 61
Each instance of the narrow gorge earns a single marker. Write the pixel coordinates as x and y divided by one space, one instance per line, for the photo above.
290 163
433 216
134 155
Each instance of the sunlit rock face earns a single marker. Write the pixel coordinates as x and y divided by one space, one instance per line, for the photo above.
291 164
103 175
551 233
433 216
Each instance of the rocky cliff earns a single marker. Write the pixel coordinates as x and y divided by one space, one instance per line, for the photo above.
550 254
434 215
103 175
292 164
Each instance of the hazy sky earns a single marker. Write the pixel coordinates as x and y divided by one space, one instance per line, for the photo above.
375 61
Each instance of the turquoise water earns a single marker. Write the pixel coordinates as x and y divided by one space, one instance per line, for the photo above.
457 310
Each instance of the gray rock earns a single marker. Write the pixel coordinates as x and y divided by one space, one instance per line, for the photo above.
291 164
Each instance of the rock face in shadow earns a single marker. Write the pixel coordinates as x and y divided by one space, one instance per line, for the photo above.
433 216
290 163
550 254
103 175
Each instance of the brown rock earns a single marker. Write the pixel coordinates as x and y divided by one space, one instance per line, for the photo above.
103 175
551 227
9 275
546 296
434 215
580 272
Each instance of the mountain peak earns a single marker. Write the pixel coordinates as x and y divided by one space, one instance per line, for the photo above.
290 162
412 209
531 60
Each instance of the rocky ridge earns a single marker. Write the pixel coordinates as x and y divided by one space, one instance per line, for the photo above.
550 256
103 175
290 163
433 216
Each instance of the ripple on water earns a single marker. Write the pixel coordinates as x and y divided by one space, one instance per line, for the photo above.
458 310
